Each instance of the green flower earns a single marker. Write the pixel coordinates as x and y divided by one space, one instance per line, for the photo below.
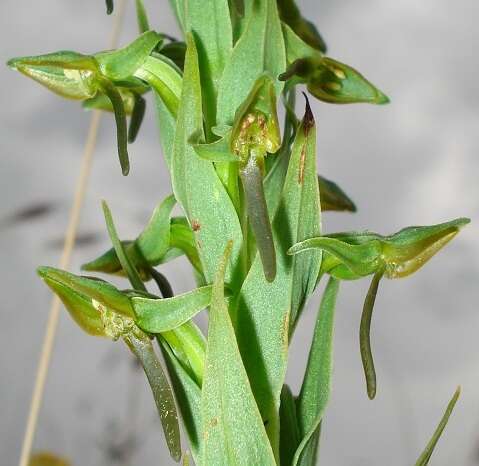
103 80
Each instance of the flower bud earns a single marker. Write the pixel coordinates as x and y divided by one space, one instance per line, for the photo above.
333 82
68 74
256 128
353 255
89 289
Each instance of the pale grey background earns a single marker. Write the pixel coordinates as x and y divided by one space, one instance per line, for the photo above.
412 162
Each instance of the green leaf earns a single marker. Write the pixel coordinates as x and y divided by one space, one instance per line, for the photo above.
154 240
149 249
296 48
196 185
125 262
427 453
182 238
274 180
161 315
140 345
178 7
164 78
333 197
290 436
218 151
232 428
142 17
122 64
316 387
175 51
365 335
188 395
262 318
260 49
138 112
189 346
210 24
290 14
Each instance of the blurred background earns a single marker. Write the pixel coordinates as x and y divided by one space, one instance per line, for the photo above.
412 162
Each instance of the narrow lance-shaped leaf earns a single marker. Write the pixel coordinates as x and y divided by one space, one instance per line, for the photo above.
333 197
121 64
232 428
161 315
365 335
262 318
290 14
427 453
316 387
149 249
290 436
260 49
125 262
141 16
210 211
210 23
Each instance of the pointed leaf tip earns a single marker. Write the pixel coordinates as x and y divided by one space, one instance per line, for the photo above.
308 119
428 451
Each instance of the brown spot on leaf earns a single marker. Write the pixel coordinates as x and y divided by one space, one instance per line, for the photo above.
195 225
214 422
302 162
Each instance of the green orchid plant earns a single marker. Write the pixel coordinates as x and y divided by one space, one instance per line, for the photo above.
251 227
